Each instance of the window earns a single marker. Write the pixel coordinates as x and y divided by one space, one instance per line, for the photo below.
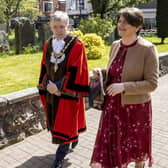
72 5
76 4
150 23
81 4
47 6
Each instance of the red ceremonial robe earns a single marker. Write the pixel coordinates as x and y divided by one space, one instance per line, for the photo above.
69 111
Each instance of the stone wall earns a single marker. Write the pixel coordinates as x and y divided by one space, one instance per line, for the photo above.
21 115
21 112
163 63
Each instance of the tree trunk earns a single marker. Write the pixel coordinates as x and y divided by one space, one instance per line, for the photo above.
18 38
102 15
162 40
7 25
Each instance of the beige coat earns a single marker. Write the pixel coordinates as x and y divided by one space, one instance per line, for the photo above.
140 71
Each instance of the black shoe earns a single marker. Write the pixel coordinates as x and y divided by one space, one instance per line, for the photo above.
57 164
74 144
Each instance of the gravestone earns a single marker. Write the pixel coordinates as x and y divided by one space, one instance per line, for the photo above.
28 34
24 34
4 44
18 27
44 33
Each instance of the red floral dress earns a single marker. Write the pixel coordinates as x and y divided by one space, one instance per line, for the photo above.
124 133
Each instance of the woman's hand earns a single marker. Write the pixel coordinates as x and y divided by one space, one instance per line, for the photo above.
52 88
115 89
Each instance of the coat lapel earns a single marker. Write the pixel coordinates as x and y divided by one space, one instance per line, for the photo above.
113 54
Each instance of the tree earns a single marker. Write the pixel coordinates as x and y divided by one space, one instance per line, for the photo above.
104 7
1 13
94 25
161 19
29 9
9 8
100 6
2 7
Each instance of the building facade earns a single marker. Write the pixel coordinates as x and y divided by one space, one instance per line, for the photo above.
48 7
77 9
149 10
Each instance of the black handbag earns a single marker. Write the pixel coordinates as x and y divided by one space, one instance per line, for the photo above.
96 96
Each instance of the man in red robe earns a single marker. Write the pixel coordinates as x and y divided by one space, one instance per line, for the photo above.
63 84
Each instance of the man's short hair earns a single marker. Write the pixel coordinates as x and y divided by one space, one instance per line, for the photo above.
60 16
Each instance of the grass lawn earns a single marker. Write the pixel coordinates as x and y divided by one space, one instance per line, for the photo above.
19 72
160 47
100 62
22 71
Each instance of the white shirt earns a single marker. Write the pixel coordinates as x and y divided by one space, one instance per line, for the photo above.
57 46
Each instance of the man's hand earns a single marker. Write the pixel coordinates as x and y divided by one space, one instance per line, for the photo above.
52 88
115 89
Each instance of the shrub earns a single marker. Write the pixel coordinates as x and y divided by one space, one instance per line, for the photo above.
96 25
94 45
77 33
31 49
3 54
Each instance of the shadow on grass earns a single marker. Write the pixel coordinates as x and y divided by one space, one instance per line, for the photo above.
159 43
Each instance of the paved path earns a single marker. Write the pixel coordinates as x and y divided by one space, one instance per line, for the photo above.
37 151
